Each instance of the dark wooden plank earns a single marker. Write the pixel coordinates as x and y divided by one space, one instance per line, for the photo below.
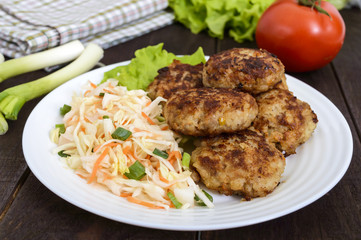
176 38
347 64
13 165
55 218
39 214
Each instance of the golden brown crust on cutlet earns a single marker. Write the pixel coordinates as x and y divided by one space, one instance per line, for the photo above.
240 163
284 120
251 70
209 111
175 77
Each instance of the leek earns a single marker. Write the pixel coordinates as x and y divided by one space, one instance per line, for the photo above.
12 99
2 59
4 127
58 55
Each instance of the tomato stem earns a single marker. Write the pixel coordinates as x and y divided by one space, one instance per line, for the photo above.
314 4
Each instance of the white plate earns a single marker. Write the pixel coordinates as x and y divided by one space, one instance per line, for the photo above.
316 168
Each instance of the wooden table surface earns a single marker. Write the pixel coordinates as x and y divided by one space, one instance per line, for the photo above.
28 210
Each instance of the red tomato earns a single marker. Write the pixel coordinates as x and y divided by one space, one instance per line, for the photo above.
301 37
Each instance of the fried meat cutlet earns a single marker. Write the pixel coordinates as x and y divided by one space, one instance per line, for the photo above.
241 163
284 120
250 70
176 76
209 111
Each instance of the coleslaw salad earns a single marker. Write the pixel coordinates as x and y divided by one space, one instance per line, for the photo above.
118 139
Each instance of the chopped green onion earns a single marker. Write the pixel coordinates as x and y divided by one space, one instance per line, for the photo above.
101 94
121 134
65 109
174 200
62 154
186 158
160 153
160 118
13 98
61 128
105 117
136 171
185 139
200 202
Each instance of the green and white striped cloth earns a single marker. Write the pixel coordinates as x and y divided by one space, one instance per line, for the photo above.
28 26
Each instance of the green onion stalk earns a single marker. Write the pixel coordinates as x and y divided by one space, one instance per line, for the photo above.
136 171
3 124
55 56
2 58
12 99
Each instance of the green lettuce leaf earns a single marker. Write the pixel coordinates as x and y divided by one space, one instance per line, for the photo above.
143 68
238 18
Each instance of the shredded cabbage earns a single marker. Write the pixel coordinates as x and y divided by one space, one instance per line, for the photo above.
98 158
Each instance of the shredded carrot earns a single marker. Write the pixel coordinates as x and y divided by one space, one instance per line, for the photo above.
178 154
92 85
86 93
80 175
108 91
128 150
96 148
98 102
143 203
148 103
163 179
97 164
139 130
150 121
174 155
170 203
111 144
107 177
165 128
143 130
110 85
70 120
125 177
87 119
124 194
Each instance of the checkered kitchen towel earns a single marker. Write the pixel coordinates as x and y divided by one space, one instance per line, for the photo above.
28 26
